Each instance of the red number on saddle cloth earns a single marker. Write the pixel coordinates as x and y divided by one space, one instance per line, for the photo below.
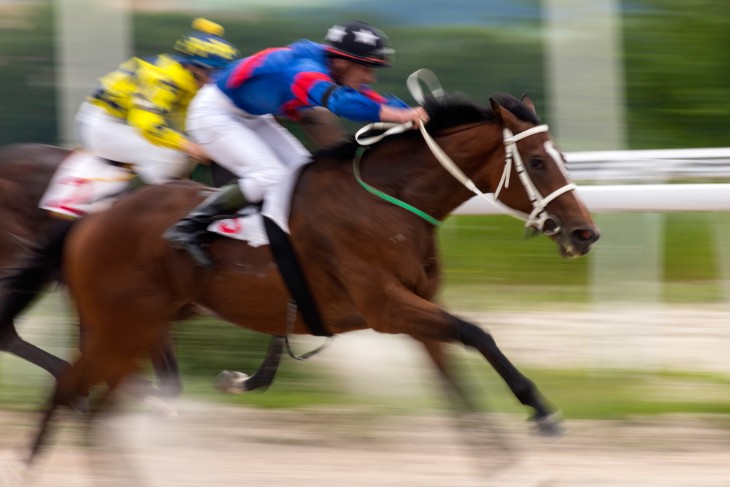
232 229
81 194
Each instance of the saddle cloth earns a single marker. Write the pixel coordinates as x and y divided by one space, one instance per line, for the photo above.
84 183
249 226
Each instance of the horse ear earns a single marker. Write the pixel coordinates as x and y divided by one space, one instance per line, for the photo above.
503 116
497 109
528 103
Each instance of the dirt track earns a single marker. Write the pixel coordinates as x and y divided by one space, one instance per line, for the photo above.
214 445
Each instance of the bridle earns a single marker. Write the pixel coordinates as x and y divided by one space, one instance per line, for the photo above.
539 217
539 220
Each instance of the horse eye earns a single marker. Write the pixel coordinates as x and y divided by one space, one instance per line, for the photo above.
537 163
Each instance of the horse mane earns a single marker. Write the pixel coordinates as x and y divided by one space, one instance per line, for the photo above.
448 111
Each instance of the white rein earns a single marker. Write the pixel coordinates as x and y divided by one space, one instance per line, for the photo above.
538 217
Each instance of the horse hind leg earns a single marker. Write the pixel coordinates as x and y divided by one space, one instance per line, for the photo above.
11 342
22 284
11 305
102 362
65 389
233 382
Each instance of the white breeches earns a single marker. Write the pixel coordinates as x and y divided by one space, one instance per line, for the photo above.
111 138
257 149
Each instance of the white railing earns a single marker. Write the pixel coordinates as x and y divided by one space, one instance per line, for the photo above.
632 198
649 165
598 172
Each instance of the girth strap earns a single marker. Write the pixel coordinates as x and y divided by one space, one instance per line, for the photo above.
293 277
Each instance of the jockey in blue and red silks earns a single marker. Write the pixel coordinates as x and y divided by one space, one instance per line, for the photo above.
233 119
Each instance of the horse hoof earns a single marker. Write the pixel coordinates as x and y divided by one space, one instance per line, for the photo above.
231 382
549 425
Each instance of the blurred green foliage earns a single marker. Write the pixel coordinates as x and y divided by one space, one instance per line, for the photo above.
675 63
677 71
27 84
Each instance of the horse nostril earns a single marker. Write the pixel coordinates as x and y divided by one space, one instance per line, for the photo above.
585 235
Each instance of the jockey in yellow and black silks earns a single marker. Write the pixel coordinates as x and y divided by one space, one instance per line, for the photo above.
137 115
134 124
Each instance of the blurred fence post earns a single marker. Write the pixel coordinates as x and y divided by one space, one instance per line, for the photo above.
587 112
584 76
92 38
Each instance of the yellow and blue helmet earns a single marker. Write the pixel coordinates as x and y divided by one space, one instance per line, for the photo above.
205 47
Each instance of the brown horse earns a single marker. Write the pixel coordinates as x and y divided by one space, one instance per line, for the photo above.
369 263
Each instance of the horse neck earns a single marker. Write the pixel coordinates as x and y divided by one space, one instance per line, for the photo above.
412 173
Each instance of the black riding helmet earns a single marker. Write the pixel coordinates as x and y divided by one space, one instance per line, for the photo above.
360 43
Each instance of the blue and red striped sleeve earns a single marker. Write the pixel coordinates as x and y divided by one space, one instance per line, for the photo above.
246 67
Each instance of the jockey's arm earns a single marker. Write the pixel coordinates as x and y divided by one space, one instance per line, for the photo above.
403 115
363 106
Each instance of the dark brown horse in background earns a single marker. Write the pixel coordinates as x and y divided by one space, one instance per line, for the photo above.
368 263
31 243
31 239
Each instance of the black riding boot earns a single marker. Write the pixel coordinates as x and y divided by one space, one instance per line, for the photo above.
188 233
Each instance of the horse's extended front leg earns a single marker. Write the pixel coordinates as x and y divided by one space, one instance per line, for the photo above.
523 388
395 309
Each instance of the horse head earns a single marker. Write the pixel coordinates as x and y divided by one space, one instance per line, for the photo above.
544 194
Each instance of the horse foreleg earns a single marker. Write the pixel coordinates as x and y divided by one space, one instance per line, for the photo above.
396 309
479 431
455 389
524 389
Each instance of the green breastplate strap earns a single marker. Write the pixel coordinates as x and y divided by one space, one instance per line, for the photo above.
387 197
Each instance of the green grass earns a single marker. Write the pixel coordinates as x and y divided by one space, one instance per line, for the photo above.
578 394
488 264
607 394
620 394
